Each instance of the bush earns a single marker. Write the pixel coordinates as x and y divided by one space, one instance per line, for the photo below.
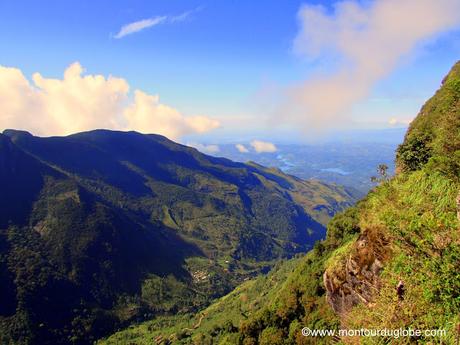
415 152
341 227
271 336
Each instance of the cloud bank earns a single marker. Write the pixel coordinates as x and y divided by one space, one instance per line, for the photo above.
80 102
263 146
367 40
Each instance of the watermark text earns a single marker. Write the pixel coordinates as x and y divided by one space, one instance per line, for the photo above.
365 332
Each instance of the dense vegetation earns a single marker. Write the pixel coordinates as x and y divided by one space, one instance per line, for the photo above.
271 309
406 229
101 229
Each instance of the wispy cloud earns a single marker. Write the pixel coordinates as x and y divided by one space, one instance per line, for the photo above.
140 25
367 41
184 16
143 24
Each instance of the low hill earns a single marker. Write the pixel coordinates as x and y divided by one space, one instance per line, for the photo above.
102 228
405 231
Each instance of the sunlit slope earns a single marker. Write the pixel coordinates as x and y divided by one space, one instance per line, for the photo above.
406 229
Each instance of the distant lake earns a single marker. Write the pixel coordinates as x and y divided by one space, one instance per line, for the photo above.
336 170
287 165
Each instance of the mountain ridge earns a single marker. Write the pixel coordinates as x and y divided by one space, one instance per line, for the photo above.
127 226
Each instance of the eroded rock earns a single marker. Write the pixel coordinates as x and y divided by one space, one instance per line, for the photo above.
355 279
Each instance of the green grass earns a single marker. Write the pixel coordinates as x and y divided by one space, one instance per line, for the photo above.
419 213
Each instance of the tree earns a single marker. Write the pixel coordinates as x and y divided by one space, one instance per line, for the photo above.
382 171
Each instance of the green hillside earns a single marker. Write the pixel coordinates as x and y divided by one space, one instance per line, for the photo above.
102 229
406 229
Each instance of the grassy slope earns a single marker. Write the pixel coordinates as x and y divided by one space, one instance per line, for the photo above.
417 210
416 215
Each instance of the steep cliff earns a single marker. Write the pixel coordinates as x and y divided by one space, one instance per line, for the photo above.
412 219
405 232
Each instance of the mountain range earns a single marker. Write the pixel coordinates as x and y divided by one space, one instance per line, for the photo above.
104 228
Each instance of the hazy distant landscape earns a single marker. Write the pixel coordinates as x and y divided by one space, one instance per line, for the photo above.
351 159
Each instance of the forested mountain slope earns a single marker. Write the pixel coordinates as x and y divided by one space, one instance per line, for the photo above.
101 228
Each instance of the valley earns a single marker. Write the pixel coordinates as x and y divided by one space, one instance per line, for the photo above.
104 228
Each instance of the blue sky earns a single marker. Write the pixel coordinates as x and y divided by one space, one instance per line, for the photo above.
217 62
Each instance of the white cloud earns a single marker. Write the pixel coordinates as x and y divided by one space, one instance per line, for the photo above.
147 114
398 122
241 148
367 40
184 16
210 149
139 25
263 146
83 102
143 24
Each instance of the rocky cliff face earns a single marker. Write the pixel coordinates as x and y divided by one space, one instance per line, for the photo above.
354 278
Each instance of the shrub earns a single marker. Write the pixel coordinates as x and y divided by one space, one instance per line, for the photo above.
415 152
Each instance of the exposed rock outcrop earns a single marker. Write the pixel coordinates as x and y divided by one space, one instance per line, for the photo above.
355 277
